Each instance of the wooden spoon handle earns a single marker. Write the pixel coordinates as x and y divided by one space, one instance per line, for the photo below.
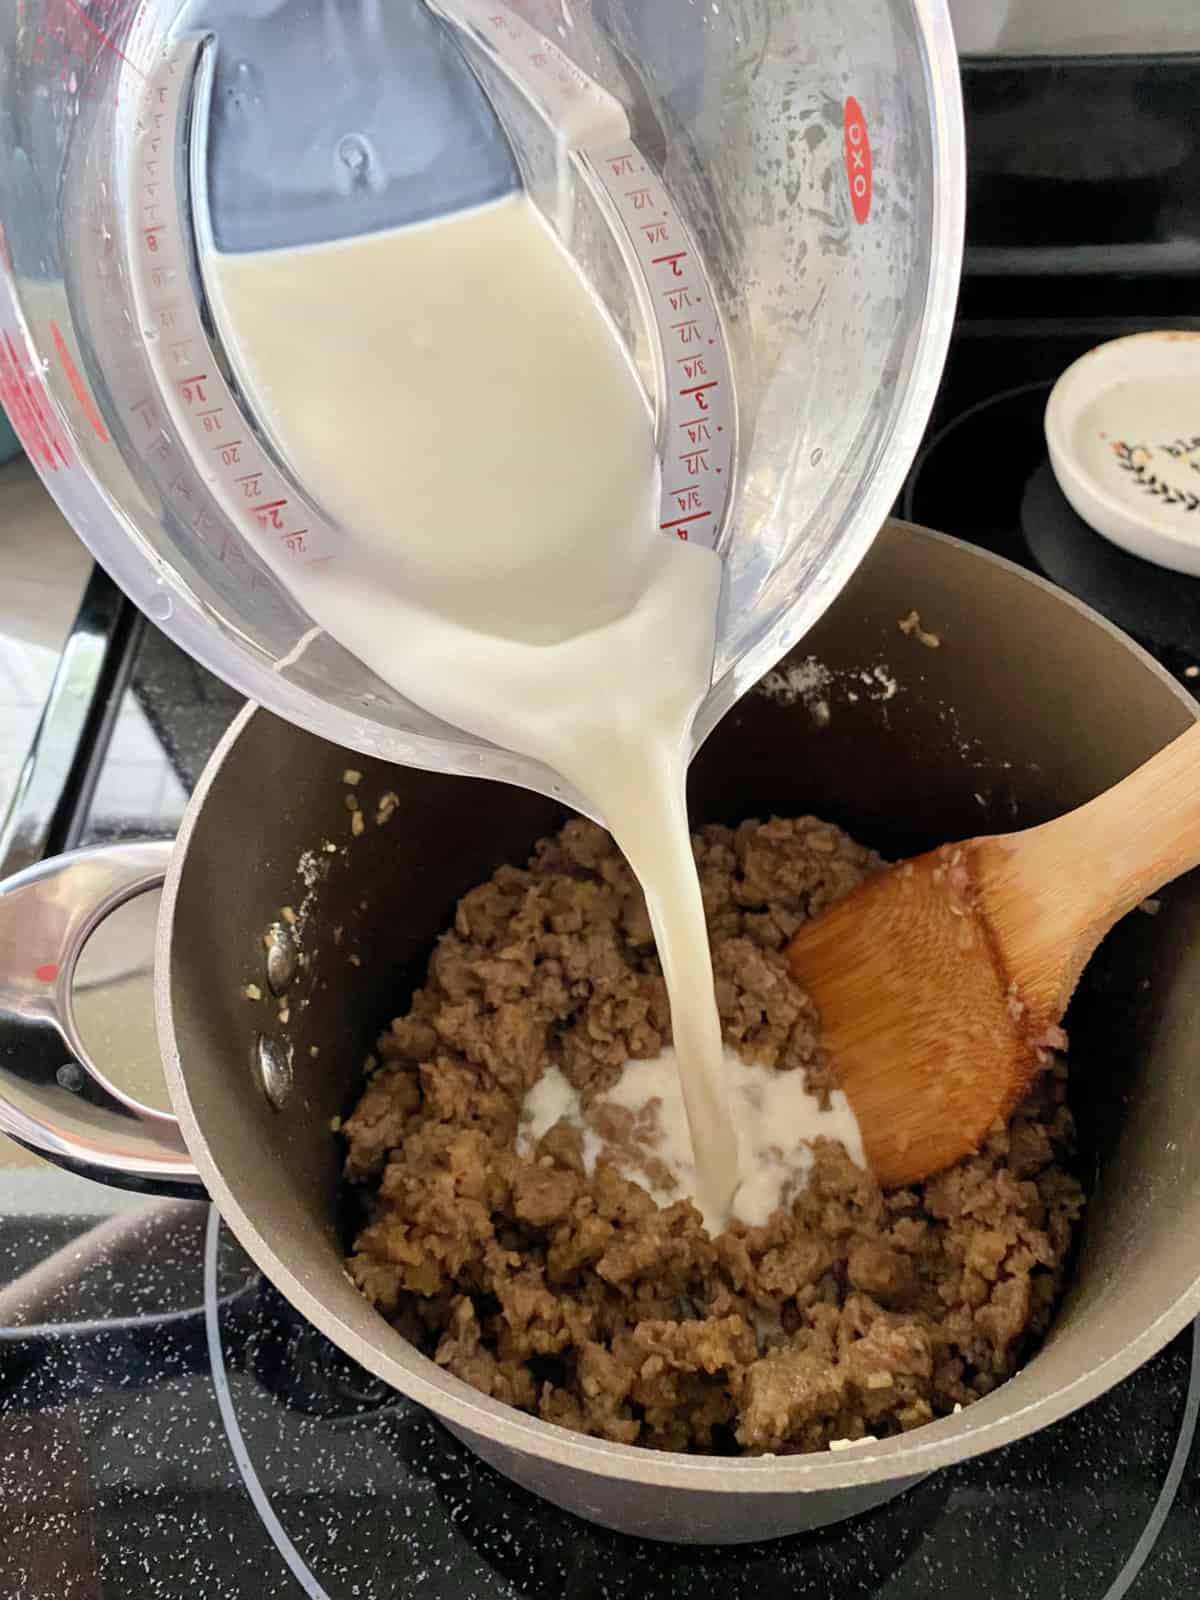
1139 835
1053 892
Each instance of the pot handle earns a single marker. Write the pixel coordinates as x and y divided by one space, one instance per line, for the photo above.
54 1098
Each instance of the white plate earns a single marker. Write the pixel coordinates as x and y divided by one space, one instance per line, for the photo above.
1123 428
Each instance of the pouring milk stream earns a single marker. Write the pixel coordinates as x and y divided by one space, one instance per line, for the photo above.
453 394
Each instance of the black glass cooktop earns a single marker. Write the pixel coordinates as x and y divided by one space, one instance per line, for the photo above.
984 474
206 1442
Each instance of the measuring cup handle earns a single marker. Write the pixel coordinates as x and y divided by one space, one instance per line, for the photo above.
54 1098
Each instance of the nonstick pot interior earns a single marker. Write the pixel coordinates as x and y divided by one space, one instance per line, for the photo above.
1028 705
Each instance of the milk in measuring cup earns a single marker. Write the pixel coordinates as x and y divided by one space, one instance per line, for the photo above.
454 396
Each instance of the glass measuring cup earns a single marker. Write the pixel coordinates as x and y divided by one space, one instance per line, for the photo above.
767 197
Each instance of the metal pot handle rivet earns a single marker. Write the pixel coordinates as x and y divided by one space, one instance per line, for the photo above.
282 958
273 1063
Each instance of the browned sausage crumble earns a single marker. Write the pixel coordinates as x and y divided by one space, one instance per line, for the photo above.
576 1298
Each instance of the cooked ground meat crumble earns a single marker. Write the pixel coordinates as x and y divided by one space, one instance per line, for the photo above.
576 1298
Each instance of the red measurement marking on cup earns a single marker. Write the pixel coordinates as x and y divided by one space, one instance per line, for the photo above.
86 404
526 51
657 244
69 36
112 14
145 412
858 159
697 426
181 487
192 388
674 261
47 972
680 524
270 517
31 411
190 427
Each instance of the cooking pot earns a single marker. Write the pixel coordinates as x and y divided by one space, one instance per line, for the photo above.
1028 704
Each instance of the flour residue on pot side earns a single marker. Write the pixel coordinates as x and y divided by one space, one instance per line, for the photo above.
819 688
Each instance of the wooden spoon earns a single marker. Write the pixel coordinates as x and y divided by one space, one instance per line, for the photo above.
942 981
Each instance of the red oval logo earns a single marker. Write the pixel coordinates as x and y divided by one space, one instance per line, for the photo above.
858 159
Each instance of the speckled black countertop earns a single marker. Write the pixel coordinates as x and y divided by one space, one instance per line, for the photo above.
197 1439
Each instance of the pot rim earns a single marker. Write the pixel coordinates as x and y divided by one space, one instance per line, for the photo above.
984 1425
